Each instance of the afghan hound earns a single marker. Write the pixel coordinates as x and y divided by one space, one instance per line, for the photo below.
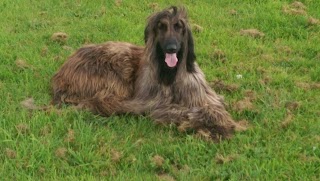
160 80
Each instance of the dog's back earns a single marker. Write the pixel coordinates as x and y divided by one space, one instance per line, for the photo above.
97 70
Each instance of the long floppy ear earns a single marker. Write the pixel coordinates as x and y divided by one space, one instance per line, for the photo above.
151 23
191 56
146 34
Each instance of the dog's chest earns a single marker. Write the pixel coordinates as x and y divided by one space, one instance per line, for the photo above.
188 91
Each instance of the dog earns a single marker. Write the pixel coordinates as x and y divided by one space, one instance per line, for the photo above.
161 80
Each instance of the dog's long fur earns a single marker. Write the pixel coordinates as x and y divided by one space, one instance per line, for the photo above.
117 78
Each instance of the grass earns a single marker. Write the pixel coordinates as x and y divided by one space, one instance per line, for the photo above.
278 94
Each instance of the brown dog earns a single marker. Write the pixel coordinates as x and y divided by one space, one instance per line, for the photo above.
161 80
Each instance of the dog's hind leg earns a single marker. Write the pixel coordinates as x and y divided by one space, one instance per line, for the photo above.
106 105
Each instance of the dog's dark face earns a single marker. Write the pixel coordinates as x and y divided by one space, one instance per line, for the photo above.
168 33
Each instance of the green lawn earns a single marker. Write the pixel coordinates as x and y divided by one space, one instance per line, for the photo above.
270 78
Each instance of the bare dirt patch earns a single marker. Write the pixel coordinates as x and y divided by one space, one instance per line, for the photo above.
233 12
220 159
220 86
295 8
308 86
23 128
22 64
246 103
242 105
10 153
197 28
59 37
154 6
219 55
158 160
242 125
70 137
287 120
313 21
61 152
165 177
252 33
29 104
292 105
284 50
118 2
46 130
115 155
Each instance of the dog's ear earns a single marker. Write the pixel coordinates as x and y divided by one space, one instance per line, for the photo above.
191 56
146 34
151 24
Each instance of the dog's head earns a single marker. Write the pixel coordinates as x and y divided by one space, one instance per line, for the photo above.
169 33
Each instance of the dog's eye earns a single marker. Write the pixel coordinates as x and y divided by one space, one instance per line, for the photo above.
162 26
177 26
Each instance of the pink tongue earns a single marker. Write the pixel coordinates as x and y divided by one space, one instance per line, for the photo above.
171 59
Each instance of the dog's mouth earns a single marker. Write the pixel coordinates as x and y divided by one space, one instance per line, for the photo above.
171 59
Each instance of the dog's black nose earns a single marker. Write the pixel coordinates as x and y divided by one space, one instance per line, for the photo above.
171 48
